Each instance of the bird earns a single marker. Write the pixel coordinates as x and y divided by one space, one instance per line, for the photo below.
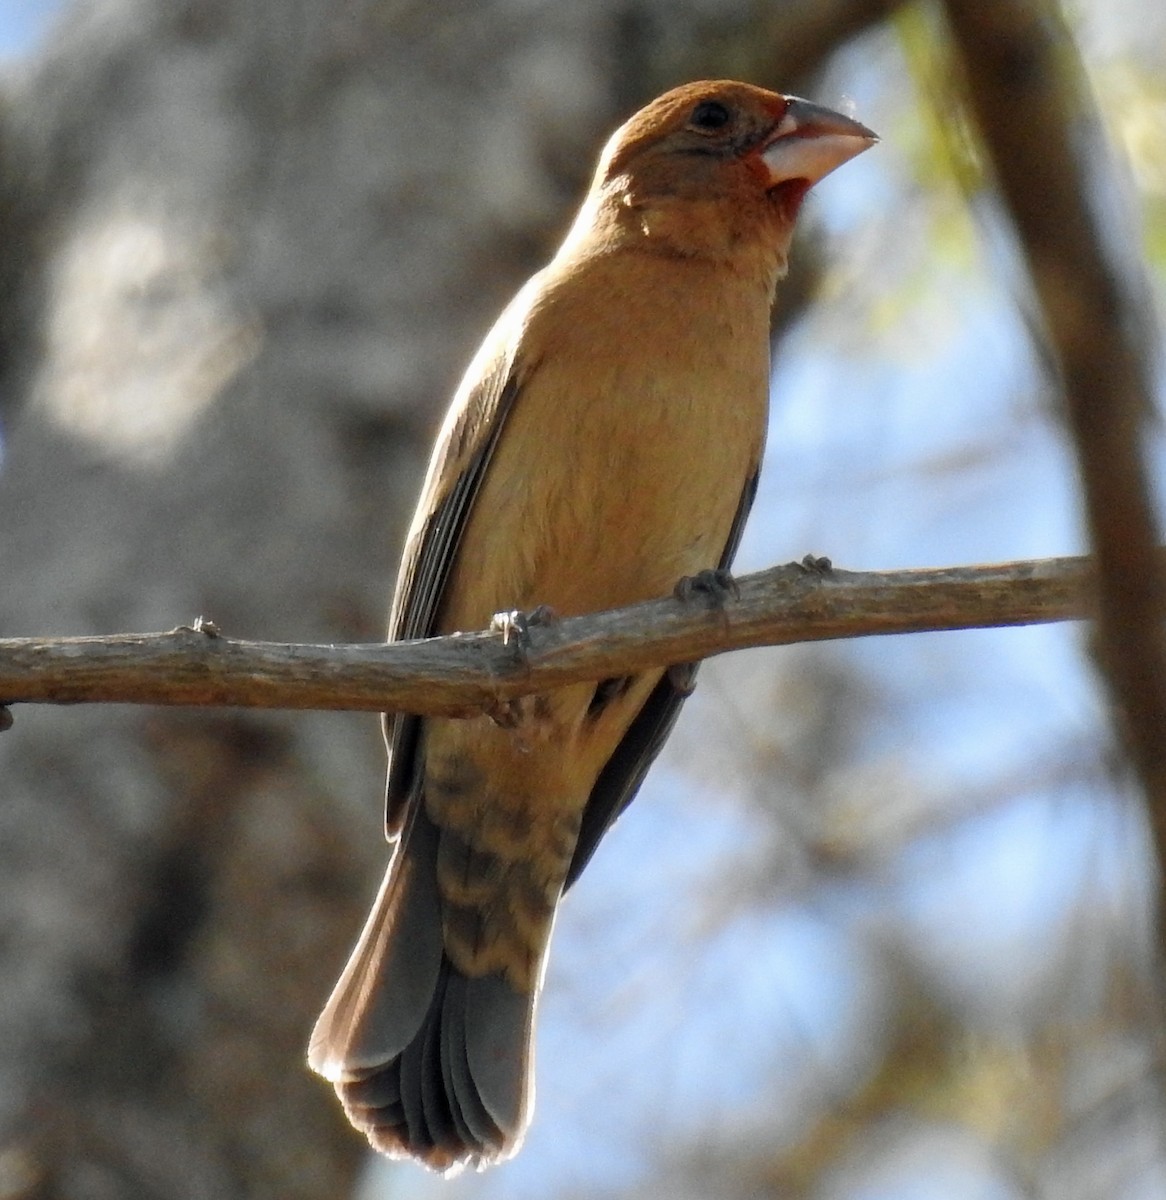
603 445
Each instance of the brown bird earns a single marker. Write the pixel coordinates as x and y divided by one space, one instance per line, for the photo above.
604 443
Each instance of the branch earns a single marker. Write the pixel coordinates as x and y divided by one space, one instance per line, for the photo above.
1033 108
466 673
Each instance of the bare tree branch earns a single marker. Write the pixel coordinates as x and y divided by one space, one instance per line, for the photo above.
465 673
1027 90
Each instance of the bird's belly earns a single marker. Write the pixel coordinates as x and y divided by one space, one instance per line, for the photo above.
620 468
595 506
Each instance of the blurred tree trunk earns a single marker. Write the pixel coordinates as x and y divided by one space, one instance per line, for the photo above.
244 251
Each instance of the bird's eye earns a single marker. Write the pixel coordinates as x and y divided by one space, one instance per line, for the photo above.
710 114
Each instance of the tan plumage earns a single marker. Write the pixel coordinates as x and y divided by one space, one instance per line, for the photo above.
604 443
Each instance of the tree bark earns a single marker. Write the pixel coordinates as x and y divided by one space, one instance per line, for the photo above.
468 673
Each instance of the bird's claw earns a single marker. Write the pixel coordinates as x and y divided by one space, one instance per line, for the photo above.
529 720
682 676
506 714
515 625
813 565
716 584
202 625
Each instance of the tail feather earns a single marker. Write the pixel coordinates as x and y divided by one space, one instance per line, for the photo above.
408 1066
484 1134
467 1100
365 1023
498 1025
429 1063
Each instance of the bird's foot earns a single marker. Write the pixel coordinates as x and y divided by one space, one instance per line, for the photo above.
528 719
201 625
715 584
515 625
525 716
813 565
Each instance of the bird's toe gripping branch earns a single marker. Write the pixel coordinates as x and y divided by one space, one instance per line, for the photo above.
813 565
715 585
515 625
525 713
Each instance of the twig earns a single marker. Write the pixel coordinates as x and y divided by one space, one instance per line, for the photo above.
467 672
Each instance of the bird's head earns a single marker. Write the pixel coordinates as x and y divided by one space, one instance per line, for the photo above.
717 168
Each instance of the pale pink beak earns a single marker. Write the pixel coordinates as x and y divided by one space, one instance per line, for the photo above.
810 142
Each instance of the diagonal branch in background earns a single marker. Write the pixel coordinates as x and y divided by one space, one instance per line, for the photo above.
466 673
1027 90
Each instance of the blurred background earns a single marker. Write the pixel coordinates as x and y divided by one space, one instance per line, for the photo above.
880 925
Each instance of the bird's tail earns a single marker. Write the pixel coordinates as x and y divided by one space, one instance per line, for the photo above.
428 1062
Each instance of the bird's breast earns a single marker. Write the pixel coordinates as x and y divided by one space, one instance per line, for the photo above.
622 461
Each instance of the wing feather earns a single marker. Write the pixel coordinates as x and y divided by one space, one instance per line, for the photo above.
456 471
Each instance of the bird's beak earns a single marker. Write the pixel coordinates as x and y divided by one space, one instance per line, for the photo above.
810 141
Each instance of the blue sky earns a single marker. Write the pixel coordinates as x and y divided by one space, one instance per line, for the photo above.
23 23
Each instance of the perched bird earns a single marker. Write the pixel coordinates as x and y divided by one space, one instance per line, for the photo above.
604 443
